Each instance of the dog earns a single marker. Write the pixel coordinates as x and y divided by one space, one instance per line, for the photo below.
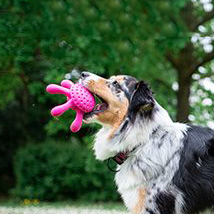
164 167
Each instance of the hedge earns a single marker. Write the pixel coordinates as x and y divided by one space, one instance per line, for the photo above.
58 171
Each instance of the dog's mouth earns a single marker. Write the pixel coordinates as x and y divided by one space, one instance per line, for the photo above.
99 108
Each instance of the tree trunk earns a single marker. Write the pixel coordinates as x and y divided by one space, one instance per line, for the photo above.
183 95
186 63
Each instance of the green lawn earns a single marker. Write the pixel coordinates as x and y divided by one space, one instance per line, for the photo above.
68 207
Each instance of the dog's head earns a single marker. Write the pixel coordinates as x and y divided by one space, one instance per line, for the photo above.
120 97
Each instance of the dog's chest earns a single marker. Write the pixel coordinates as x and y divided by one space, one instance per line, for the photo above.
154 163
128 185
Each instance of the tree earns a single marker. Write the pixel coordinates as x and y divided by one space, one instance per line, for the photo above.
41 41
188 60
132 37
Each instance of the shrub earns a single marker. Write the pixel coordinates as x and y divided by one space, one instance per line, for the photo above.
57 171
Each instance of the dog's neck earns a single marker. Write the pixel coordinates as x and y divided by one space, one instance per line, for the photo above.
130 135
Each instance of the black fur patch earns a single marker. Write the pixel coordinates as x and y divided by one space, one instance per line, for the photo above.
211 147
124 126
149 211
141 97
195 177
165 203
130 83
155 130
162 138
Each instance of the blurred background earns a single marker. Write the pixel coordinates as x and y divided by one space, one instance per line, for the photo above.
167 43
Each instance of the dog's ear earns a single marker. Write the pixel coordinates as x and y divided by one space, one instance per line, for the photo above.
142 98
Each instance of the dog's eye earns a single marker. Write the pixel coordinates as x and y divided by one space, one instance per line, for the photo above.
116 84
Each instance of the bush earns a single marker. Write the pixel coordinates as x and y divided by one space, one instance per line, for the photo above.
58 171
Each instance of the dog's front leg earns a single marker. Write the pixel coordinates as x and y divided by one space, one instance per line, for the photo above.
139 207
156 201
142 207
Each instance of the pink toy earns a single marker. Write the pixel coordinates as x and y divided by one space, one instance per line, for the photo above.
78 98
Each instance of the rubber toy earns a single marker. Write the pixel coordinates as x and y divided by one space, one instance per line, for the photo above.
78 98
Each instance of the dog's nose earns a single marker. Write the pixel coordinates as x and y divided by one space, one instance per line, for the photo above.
84 74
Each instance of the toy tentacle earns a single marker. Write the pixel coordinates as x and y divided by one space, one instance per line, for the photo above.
56 89
60 109
76 125
67 84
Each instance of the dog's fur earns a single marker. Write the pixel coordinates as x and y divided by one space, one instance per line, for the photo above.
170 166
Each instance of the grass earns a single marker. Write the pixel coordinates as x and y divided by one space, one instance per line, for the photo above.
17 206
64 207
105 205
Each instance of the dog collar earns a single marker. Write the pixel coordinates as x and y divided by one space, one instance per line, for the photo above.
119 159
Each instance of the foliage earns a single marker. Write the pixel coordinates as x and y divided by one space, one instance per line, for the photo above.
56 171
41 41
40 47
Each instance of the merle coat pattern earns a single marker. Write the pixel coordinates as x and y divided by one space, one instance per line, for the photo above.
170 166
